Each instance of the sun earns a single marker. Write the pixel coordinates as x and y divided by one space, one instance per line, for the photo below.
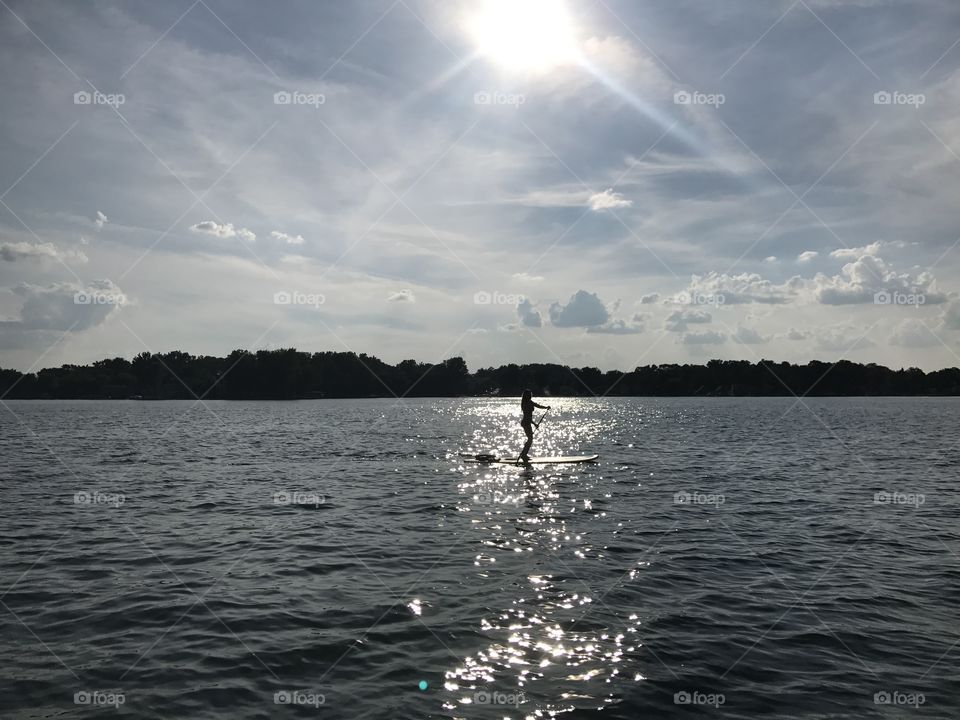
527 36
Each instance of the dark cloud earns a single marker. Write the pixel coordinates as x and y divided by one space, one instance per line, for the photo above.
584 310
528 314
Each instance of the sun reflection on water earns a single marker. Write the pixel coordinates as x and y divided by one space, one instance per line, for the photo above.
546 644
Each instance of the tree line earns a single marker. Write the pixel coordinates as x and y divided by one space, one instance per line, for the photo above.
289 374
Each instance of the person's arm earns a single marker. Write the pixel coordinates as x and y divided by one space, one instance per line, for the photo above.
542 407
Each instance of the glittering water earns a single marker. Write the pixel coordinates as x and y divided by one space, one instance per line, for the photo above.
726 557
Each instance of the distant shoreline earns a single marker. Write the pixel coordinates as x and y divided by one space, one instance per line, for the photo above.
292 375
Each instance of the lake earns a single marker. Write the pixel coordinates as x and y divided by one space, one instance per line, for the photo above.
726 557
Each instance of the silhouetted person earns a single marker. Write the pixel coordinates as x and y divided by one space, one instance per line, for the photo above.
527 406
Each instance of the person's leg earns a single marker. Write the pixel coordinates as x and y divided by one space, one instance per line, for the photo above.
525 453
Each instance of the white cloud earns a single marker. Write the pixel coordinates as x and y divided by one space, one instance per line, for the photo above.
65 306
649 299
950 320
770 259
100 220
794 334
706 337
583 310
405 296
528 314
225 230
913 333
807 256
857 252
289 239
859 281
748 336
841 338
745 288
608 200
678 320
12 252
616 326
525 277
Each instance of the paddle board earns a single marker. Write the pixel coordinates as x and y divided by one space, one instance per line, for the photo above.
561 459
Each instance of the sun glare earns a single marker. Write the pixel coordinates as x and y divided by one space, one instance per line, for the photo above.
524 35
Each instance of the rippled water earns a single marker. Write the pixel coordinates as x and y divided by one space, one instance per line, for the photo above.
726 557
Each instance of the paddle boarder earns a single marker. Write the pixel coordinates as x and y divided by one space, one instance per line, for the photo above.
527 406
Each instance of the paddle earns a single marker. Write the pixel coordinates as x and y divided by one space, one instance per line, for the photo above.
537 424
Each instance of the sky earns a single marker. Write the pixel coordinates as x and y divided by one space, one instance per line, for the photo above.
611 183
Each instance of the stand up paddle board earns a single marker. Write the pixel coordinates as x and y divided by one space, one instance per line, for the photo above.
556 460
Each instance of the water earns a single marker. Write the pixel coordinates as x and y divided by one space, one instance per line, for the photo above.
727 552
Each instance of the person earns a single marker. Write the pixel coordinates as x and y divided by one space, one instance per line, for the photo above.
527 406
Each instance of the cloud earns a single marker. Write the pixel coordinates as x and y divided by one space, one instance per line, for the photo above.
950 320
807 256
405 296
748 336
65 306
528 314
857 252
288 239
616 326
13 252
770 259
678 320
649 299
608 200
525 277
744 288
226 230
842 338
584 310
859 281
100 220
707 337
913 333
793 334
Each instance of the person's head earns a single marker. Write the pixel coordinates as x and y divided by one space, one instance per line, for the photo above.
526 394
